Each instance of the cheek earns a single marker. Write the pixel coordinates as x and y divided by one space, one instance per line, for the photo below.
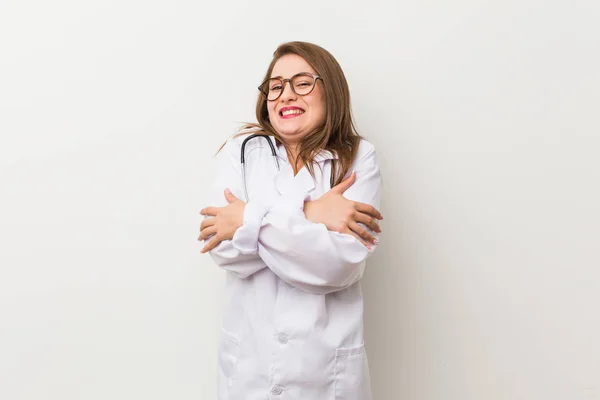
319 108
271 112
319 105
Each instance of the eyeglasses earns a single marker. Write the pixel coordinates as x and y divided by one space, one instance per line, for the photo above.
301 84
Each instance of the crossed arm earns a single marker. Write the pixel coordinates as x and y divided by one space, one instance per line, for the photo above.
319 246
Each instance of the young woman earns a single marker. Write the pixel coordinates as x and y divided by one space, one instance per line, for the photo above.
293 225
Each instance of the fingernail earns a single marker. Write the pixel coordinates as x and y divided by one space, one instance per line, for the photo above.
227 191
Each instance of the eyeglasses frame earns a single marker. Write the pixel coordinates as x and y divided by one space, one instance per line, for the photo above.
283 81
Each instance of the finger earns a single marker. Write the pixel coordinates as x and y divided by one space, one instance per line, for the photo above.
207 232
345 184
206 223
212 243
367 245
229 196
362 232
212 211
368 221
368 209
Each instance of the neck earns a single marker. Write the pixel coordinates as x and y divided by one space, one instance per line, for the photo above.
292 152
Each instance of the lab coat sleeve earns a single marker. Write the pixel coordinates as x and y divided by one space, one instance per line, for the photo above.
306 254
242 260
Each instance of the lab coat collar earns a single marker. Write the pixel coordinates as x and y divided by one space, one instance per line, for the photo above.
323 155
286 182
303 182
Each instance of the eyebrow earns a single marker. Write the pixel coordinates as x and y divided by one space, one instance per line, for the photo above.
280 77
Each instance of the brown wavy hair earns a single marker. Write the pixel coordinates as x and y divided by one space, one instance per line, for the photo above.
338 133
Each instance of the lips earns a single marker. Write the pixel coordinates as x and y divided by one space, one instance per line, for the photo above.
290 112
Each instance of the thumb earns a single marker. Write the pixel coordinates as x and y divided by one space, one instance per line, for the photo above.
229 196
345 184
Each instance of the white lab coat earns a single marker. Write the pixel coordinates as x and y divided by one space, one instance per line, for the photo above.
293 319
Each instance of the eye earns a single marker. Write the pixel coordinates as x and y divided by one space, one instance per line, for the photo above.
275 87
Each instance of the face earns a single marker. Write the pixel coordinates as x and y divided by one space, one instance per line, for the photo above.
291 115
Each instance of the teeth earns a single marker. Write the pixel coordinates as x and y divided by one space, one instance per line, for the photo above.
290 112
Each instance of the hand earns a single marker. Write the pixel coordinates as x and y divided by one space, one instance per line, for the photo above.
342 215
226 220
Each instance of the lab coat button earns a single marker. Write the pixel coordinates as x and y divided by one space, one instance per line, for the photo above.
283 339
289 285
276 390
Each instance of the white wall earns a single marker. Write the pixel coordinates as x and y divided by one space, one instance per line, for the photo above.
485 114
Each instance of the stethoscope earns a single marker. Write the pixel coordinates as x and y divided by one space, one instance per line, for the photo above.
273 152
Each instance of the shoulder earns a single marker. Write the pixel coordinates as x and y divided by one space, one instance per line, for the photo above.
365 148
366 154
234 144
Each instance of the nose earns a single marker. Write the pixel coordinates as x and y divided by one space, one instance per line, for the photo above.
288 93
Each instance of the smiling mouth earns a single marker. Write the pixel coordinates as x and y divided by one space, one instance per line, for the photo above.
291 113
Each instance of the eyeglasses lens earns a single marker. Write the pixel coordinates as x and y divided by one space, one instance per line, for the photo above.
303 85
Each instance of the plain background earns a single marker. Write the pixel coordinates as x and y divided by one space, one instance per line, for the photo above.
484 113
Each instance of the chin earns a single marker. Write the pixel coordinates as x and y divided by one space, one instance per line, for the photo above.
290 130
285 134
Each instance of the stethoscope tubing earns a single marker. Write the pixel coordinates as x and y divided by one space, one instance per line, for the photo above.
243 157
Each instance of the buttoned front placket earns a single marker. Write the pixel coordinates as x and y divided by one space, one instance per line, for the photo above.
286 341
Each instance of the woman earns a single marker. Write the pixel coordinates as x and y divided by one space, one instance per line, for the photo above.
293 233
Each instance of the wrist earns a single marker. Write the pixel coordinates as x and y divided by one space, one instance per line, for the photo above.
239 221
309 211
